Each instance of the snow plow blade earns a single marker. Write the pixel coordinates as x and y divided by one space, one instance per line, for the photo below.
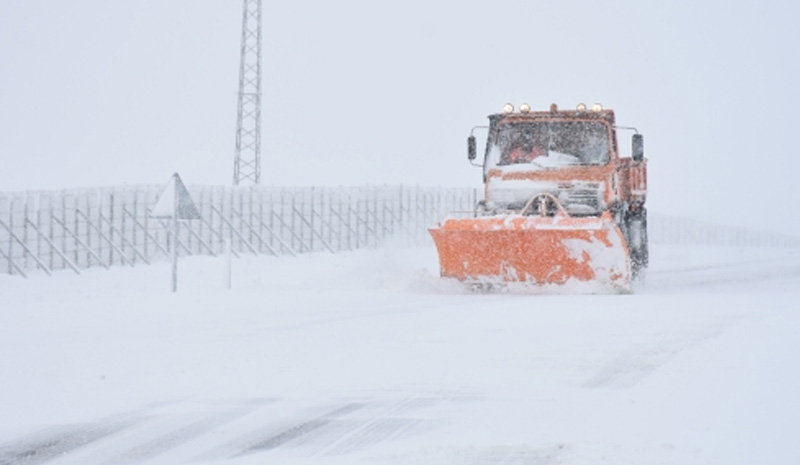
534 250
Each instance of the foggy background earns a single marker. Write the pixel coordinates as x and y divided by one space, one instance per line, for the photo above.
111 92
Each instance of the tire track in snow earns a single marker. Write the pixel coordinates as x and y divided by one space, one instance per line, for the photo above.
298 431
55 442
386 424
549 454
635 364
178 437
354 427
374 432
133 438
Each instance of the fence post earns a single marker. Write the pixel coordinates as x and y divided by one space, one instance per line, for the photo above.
212 194
123 224
146 215
292 224
63 221
110 226
10 238
220 228
41 234
50 231
75 229
25 255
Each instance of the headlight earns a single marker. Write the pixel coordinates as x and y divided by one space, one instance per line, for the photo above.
525 108
508 108
597 107
581 107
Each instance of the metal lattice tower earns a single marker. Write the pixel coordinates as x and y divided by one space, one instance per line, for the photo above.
247 163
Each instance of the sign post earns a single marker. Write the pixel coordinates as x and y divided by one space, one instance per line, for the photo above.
175 204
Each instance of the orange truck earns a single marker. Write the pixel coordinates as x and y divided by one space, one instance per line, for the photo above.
560 204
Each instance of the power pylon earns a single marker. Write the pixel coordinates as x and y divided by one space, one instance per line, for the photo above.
247 163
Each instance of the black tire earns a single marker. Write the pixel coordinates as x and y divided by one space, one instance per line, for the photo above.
636 235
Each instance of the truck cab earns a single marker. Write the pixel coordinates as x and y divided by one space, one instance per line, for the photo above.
568 155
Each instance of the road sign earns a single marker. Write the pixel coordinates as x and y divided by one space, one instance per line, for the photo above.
175 199
176 204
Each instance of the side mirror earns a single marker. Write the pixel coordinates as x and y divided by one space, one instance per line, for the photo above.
472 152
637 147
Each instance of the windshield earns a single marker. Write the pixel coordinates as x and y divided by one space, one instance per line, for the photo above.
550 144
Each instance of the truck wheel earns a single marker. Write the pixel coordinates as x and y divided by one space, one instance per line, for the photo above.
636 226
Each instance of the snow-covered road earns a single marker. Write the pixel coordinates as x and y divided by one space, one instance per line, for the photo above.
367 357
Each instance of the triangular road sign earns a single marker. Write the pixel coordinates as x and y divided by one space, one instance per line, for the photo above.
175 192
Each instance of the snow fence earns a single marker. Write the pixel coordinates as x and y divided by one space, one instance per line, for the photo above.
78 229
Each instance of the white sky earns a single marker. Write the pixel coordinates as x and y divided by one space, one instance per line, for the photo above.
106 92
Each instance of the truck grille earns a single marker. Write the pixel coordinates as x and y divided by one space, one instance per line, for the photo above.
581 201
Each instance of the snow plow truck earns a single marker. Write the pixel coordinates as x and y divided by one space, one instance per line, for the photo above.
560 204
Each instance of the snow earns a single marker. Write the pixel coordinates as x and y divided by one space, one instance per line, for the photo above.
369 357
552 160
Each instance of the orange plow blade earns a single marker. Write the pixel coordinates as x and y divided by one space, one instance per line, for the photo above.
533 249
